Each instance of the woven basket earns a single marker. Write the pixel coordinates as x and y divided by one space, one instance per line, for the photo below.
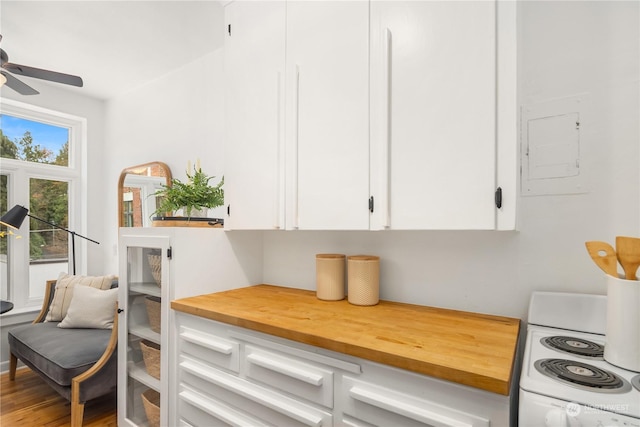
151 357
153 312
151 402
155 263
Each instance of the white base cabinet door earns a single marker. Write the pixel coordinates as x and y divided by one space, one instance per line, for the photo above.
233 376
143 279
192 261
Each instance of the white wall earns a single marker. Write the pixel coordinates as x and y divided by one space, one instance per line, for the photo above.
176 119
565 49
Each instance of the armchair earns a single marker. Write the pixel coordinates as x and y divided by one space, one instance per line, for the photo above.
79 363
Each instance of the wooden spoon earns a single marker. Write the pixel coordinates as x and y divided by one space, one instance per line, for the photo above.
604 256
628 250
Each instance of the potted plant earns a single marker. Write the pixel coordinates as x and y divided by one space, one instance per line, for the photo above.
194 195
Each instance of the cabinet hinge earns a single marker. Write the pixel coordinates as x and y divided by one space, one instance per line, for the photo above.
498 198
170 252
371 204
229 29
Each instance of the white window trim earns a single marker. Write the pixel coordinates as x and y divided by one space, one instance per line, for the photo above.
75 174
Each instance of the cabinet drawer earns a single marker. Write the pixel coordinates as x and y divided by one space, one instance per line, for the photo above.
385 406
262 403
289 374
200 409
213 349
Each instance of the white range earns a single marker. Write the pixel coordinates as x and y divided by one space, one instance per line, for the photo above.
565 380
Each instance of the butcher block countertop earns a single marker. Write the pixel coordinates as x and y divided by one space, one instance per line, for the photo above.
477 350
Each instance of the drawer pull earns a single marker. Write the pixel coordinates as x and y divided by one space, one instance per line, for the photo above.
284 369
218 410
208 343
249 391
400 407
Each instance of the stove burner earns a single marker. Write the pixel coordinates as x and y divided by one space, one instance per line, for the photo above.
577 346
582 375
635 381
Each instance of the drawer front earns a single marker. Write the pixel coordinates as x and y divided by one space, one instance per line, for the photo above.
289 374
210 347
383 406
200 409
227 391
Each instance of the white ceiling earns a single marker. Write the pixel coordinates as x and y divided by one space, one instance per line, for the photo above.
114 46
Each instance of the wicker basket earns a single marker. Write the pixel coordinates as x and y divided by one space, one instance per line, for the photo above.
153 312
151 357
155 263
151 402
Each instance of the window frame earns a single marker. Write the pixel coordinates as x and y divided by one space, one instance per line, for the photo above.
19 174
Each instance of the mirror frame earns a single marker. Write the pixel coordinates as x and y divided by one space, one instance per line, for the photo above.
134 170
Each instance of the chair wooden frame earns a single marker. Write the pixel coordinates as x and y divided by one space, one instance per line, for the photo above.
77 407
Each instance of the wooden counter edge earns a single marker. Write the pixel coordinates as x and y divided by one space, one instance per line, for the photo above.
482 382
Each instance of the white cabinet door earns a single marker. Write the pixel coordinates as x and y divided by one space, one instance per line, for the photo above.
433 114
137 282
194 261
327 114
254 77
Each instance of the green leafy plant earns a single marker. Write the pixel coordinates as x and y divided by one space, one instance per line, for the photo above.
196 194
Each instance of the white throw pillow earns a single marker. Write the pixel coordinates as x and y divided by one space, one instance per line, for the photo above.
91 308
64 292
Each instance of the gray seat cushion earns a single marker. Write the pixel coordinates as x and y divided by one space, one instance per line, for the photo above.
60 354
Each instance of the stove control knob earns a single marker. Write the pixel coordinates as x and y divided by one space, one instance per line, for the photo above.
562 417
556 418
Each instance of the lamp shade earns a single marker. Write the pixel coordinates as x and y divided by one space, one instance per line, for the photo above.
14 217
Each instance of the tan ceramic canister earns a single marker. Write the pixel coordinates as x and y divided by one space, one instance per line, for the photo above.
330 276
363 279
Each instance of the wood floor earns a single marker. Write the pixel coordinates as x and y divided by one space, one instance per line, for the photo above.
29 401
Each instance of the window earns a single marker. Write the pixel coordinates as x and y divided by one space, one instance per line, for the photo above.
41 168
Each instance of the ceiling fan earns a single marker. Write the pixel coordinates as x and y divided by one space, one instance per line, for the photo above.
8 68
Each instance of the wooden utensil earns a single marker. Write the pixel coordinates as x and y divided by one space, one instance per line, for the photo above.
604 256
628 252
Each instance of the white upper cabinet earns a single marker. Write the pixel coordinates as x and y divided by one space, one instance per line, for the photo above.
334 106
254 73
327 115
433 114
323 76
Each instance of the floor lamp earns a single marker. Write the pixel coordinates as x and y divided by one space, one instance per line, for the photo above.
16 216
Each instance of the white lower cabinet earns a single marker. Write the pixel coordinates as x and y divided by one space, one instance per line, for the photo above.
228 375
381 405
265 388
157 266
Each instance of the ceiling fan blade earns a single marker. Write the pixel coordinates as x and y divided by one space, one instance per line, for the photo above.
39 73
18 86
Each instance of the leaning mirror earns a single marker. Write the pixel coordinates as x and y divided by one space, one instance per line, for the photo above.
135 186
